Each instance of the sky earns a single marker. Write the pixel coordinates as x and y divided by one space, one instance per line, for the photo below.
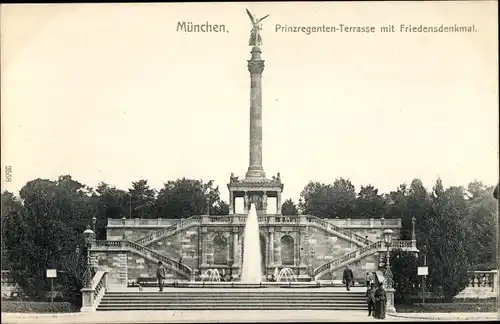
114 93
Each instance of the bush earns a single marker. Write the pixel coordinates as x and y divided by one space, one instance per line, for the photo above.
36 307
461 306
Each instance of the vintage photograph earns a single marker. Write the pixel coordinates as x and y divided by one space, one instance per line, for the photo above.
249 162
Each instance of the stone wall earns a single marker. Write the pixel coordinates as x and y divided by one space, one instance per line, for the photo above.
180 245
327 247
131 234
113 261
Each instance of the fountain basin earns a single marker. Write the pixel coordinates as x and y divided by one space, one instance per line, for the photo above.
264 284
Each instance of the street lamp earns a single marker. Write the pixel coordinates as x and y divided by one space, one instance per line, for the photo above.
388 241
88 234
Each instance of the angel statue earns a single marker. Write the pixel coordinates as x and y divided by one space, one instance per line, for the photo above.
255 38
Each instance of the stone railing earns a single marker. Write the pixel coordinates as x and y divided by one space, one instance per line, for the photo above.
91 297
346 258
146 252
263 219
483 279
138 222
365 223
358 239
362 252
169 262
165 232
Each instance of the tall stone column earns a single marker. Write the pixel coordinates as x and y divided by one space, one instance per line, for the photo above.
204 239
278 203
255 67
231 203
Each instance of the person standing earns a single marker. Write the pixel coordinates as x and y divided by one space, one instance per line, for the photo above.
370 298
347 277
381 301
161 274
368 279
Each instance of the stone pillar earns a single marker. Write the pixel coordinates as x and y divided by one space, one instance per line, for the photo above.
235 246
278 203
264 203
246 204
390 300
204 238
271 246
231 202
255 67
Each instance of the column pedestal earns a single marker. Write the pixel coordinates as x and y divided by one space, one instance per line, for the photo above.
390 300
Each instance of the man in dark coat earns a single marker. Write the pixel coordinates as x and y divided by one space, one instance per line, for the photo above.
370 299
347 277
380 302
161 274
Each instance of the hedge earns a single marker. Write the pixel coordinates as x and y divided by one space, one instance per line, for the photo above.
36 307
485 306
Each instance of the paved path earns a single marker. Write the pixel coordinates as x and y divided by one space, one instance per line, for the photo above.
239 316
121 288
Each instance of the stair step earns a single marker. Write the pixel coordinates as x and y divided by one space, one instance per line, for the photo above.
231 307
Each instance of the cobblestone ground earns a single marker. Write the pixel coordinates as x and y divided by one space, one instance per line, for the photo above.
241 316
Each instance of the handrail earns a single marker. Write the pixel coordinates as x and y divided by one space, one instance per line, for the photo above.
167 231
175 265
361 252
330 265
360 240
91 297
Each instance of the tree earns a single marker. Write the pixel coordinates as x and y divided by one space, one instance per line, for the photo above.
220 208
11 208
142 200
337 200
447 241
481 226
404 269
185 197
369 204
46 232
289 208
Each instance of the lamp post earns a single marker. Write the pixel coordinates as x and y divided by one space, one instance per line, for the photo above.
388 273
88 234
123 225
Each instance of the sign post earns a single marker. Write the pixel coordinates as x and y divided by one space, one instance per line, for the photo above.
51 274
423 271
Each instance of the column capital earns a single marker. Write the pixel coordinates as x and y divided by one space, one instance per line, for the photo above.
255 66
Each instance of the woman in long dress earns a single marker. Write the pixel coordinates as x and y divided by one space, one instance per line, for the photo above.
380 302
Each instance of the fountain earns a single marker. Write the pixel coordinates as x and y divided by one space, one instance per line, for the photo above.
286 275
252 272
211 275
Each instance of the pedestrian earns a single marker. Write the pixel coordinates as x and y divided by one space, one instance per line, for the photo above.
381 301
370 298
368 279
347 277
161 274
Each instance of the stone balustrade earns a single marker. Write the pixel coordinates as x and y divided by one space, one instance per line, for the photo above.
91 297
263 219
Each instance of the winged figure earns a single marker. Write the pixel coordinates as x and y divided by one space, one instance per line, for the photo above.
255 38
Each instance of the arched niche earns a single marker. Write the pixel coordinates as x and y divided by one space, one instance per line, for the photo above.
287 250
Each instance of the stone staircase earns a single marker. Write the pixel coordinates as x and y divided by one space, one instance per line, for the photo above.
338 231
149 254
169 231
350 257
282 299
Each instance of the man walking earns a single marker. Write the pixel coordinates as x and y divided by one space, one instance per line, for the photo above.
161 273
347 277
